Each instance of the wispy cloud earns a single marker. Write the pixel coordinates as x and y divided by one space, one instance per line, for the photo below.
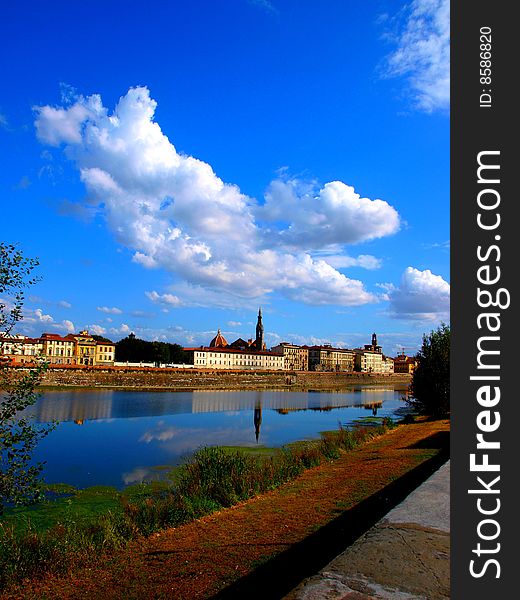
343 261
23 184
422 53
142 314
110 310
265 5
438 245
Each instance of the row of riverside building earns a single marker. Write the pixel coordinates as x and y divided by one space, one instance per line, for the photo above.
252 354
85 349
72 349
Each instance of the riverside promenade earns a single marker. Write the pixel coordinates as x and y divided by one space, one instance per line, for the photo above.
405 556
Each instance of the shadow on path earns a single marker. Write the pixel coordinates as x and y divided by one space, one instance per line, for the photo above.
279 575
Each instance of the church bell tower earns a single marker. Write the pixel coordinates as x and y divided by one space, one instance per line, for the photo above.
259 343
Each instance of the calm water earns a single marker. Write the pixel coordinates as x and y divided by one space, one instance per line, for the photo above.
108 437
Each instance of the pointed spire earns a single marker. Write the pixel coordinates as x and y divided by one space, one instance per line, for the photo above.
259 340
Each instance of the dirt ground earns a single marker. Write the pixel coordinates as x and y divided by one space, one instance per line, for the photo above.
265 546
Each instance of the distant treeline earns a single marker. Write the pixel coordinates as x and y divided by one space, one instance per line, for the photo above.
132 349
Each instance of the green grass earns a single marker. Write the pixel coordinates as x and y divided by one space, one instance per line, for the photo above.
251 450
79 506
368 421
82 507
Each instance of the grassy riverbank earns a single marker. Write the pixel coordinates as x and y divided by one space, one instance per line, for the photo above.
66 532
253 534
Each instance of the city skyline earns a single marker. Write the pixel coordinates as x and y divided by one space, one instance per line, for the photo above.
192 162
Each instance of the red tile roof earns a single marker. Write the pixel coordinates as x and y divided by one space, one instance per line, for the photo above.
219 341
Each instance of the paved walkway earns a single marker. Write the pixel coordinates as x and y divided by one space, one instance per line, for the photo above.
405 556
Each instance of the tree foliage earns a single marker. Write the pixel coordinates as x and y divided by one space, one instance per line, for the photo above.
430 387
133 349
19 479
15 276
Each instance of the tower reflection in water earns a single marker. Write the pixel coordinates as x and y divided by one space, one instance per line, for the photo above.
257 418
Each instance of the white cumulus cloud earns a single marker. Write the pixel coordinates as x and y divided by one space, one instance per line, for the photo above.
68 325
420 295
334 214
175 213
96 329
166 299
123 329
41 317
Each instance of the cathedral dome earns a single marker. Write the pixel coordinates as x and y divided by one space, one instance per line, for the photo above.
219 341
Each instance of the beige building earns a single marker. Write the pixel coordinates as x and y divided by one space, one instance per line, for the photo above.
368 361
85 348
58 350
229 358
105 352
388 365
327 358
296 357
20 349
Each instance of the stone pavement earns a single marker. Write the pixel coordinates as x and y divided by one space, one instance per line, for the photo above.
405 556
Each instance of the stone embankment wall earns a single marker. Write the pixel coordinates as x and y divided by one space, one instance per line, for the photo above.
190 379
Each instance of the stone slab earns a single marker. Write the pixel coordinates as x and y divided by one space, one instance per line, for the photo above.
405 556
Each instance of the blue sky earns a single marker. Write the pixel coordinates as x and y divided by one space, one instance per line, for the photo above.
175 165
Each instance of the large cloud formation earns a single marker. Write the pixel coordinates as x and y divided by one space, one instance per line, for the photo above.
175 213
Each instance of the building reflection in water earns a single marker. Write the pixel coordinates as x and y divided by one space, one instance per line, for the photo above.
77 406
84 405
107 433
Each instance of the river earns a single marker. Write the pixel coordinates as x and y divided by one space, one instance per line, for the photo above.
112 437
